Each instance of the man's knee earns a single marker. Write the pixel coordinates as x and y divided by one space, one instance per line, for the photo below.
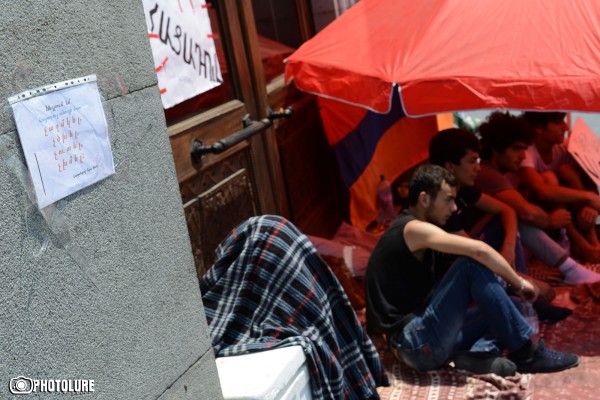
467 263
423 358
550 178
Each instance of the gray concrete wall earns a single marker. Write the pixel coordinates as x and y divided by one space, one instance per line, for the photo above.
106 289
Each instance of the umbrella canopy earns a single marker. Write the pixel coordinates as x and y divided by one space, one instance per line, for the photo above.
449 55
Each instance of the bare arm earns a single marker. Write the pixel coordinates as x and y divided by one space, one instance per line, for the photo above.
574 178
556 194
508 218
533 214
421 235
462 233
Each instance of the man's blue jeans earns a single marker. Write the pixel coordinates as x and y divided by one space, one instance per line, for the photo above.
447 326
536 240
541 245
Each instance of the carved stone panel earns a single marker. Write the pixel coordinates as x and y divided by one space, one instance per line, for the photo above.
212 214
210 176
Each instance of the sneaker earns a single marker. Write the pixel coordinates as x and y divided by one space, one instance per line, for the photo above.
550 313
574 273
544 360
485 363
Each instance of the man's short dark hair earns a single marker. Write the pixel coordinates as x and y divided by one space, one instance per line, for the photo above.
428 178
540 119
451 145
502 130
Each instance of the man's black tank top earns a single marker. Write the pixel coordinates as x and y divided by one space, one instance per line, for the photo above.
397 283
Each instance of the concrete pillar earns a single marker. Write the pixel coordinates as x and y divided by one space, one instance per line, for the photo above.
107 289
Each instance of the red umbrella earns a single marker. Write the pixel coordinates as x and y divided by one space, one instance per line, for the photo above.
448 55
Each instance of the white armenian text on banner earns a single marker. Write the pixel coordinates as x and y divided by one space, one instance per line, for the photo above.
64 135
185 56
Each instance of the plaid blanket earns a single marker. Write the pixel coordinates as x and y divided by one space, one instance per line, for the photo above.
268 288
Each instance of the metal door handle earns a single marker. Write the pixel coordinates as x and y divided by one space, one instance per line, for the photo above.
250 129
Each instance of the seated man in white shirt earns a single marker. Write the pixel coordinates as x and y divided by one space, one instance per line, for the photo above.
554 180
504 140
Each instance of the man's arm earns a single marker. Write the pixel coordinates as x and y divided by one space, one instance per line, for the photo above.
462 232
533 214
509 221
421 235
556 194
574 178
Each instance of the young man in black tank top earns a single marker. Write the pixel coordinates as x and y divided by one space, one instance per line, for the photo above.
429 322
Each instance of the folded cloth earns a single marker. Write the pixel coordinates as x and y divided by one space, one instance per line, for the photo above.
268 288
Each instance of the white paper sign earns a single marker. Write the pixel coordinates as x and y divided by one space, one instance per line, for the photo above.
64 137
584 146
184 51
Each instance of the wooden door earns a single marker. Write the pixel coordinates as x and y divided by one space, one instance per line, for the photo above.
252 178
224 189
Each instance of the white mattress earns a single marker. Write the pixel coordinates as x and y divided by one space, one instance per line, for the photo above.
267 375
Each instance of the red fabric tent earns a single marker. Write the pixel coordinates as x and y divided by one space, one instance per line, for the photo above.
443 55
449 55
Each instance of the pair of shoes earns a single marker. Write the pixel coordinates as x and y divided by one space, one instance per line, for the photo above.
550 313
484 363
543 360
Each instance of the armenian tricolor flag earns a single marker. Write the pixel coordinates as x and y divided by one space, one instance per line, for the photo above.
368 144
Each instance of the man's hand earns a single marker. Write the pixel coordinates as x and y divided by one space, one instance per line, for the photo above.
529 291
559 219
586 218
546 292
593 201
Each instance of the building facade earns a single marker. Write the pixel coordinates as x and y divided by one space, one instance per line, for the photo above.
103 285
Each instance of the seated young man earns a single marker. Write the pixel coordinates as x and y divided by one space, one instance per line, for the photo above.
553 179
457 150
504 140
429 322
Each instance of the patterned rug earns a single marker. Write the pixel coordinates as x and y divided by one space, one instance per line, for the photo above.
579 333
447 383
